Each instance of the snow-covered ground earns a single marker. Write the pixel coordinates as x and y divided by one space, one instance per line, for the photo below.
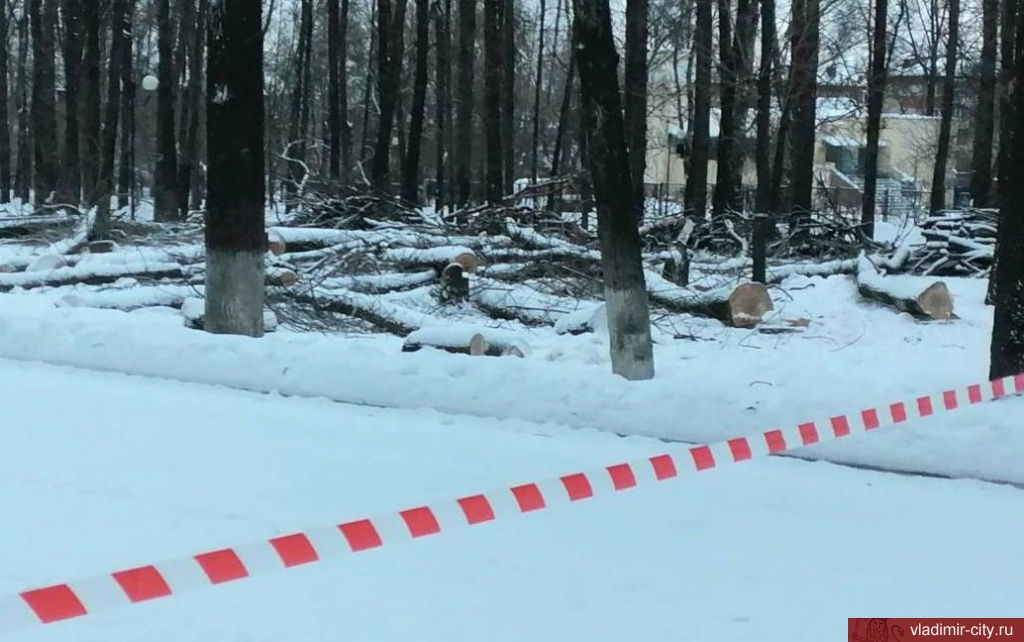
712 382
103 471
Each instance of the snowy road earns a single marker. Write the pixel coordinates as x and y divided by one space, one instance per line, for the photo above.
101 471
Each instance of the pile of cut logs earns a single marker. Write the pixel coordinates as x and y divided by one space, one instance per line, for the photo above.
957 243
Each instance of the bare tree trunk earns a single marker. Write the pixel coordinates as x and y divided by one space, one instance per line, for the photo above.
636 98
126 166
806 22
390 46
629 325
724 198
235 234
411 171
464 107
700 152
110 122
346 127
764 107
938 199
563 118
44 111
876 95
368 85
984 121
190 157
333 89
93 102
1007 348
70 183
538 83
492 98
165 183
23 170
508 94
443 99
5 127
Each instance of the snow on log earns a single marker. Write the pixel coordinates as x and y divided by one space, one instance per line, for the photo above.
91 274
80 238
279 276
378 283
535 239
392 318
102 247
193 309
829 268
592 318
905 293
130 298
436 257
743 306
13 226
520 303
467 339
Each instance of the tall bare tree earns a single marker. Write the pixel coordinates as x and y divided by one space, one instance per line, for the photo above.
492 98
508 94
985 116
46 168
118 41
938 196
764 107
91 144
411 169
876 95
70 181
700 143
804 46
1007 347
126 166
442 12
629 325
538 84
23 169
165 179
464 101
726 189
390 47
636 97
5 126
334 87
235 234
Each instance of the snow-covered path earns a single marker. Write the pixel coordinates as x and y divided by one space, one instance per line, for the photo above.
102 471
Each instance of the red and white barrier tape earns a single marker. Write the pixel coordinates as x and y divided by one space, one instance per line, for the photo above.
91 595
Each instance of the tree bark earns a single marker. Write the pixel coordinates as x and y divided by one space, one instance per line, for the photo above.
105 189
126 166
411 170
390 47
724 198
235 234
346 127
464 107
805 25
70 182
538 83
1007 347
938 197
23 169
625 290
298 126
5 130
508 94
764 107
333 89
876 96
191 157
44 112
91 145
700 152
165 190
636 98
443 100
492 98
984 120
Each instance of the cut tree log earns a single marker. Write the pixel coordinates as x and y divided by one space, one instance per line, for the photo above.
275 242
438 258
454 284
586 319
908 294
91 275
467 339
280 277
742 306
391 318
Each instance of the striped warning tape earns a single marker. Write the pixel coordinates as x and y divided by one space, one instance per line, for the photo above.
78 598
